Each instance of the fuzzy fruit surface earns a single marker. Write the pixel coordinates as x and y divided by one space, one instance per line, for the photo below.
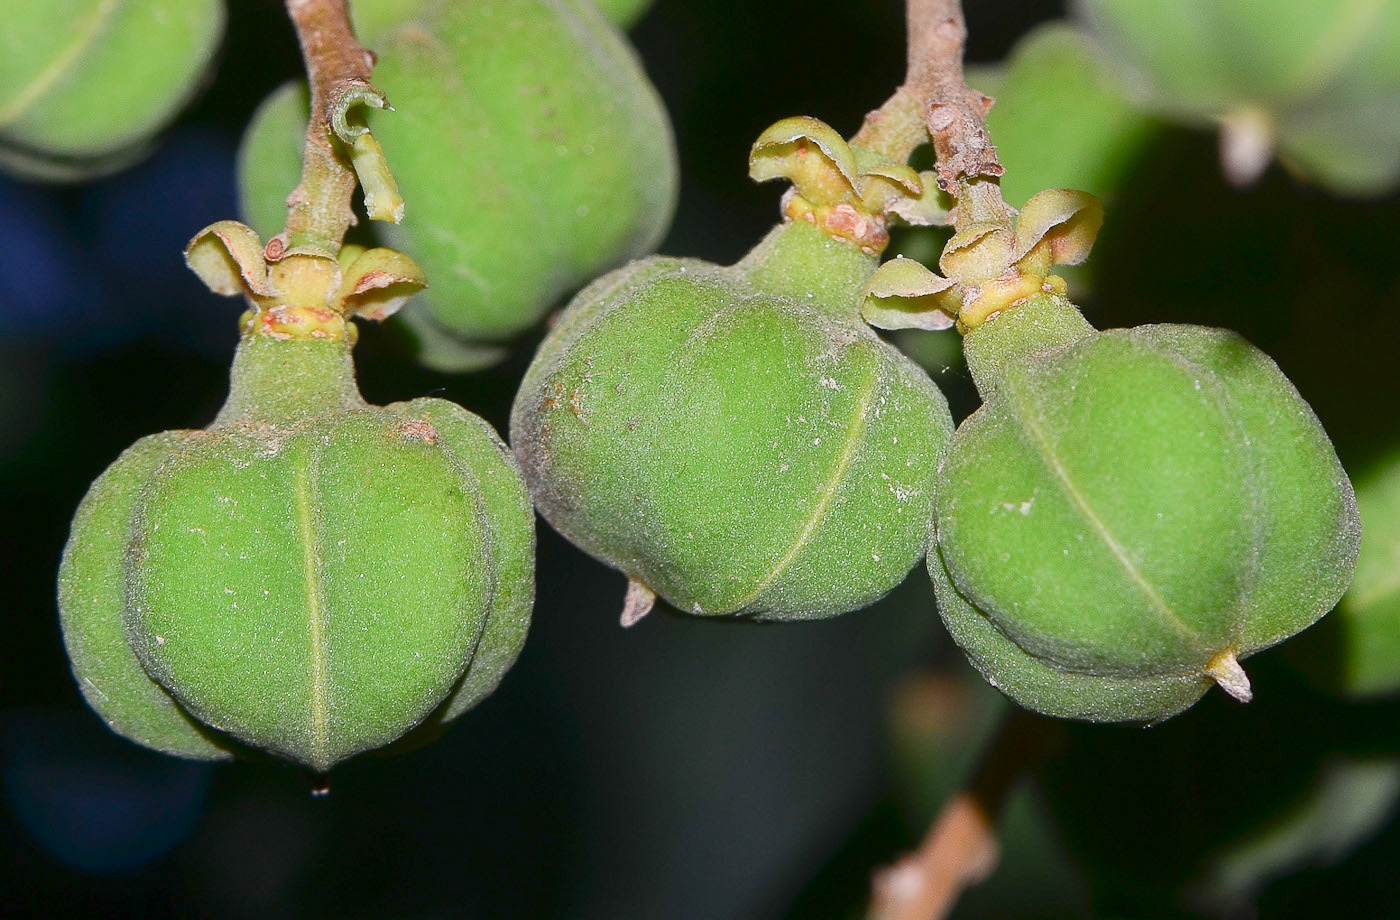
1130 507
624 12
531 149
311 576
735 438
85 84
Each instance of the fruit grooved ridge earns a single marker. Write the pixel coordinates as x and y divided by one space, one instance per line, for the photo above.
854 436
19 106
489 538
315 607
1119 552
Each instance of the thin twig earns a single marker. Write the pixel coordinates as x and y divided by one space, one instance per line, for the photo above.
957 114
337 67
935 101
960 848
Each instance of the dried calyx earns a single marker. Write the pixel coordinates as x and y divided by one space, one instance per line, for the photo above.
995 261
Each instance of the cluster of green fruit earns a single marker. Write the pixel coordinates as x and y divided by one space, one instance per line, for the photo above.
1130 513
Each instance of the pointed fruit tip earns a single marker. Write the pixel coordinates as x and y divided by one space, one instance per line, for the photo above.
640 600
1225 670
1247 141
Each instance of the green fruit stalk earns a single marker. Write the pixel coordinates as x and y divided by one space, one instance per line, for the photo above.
736 439
532 148
1131 513
86 84
311 576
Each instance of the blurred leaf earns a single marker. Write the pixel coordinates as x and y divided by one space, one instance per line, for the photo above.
1061 120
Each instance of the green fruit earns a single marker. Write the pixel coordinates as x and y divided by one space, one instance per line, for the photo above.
312 576
736 439
1132 512
91 602
529 162
373 19
1061 120
1356 652
86 84
1315 81
624 12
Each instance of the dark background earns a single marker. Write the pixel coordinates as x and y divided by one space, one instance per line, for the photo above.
686 768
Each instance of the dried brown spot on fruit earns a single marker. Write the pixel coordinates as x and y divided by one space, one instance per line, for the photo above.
418 430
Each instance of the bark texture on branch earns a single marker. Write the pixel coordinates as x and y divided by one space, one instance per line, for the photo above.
956 115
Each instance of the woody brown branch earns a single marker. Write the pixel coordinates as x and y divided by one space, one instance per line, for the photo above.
956 114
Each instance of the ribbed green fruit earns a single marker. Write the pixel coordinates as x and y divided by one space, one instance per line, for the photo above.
85 84
1317 81
530 148
735 439
312 576
1131 512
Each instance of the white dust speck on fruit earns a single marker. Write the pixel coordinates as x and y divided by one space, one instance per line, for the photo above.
902 494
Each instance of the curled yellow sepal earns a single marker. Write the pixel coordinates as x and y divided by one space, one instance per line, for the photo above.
1057 227
378 282
811 155
903 294
302 291
999 263
891 188
929 206
828 173
848 192
228 257
978 251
